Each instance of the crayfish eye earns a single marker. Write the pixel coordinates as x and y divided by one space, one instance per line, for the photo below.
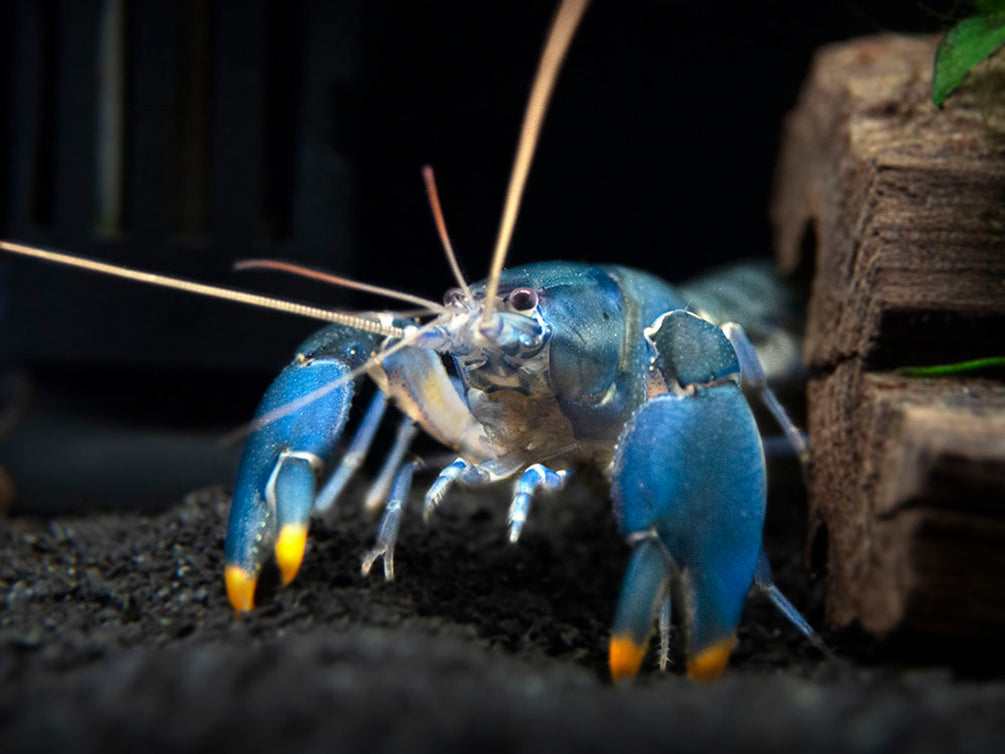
453 297
523 299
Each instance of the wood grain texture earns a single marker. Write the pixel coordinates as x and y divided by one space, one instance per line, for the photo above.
898 210
907 486
906 204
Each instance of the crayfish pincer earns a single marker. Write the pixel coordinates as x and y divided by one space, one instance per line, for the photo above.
689 495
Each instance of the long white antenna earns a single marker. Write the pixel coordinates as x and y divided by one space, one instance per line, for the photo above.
164 281
343 282
559 38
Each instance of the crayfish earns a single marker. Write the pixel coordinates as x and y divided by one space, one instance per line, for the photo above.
552 366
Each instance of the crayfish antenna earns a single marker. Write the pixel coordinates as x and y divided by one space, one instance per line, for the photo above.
300 270
357 321
441 228
563 28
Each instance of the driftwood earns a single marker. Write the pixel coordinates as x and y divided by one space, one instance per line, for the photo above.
897 210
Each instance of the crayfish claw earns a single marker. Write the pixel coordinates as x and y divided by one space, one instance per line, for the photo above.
689 455
297 424
289 550
624 657
643 591
709 663
240 588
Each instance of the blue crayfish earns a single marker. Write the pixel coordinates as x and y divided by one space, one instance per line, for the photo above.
554 365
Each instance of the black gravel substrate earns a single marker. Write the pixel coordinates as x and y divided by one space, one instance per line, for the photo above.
116 635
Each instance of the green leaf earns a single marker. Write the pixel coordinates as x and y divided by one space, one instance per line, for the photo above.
968 43
947 370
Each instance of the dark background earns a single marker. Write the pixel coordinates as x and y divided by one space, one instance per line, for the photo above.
297 130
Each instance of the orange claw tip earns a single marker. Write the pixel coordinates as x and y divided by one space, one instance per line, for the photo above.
624 657
290 550
711 662
240 588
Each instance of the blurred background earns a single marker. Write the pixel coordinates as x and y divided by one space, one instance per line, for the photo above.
182 136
